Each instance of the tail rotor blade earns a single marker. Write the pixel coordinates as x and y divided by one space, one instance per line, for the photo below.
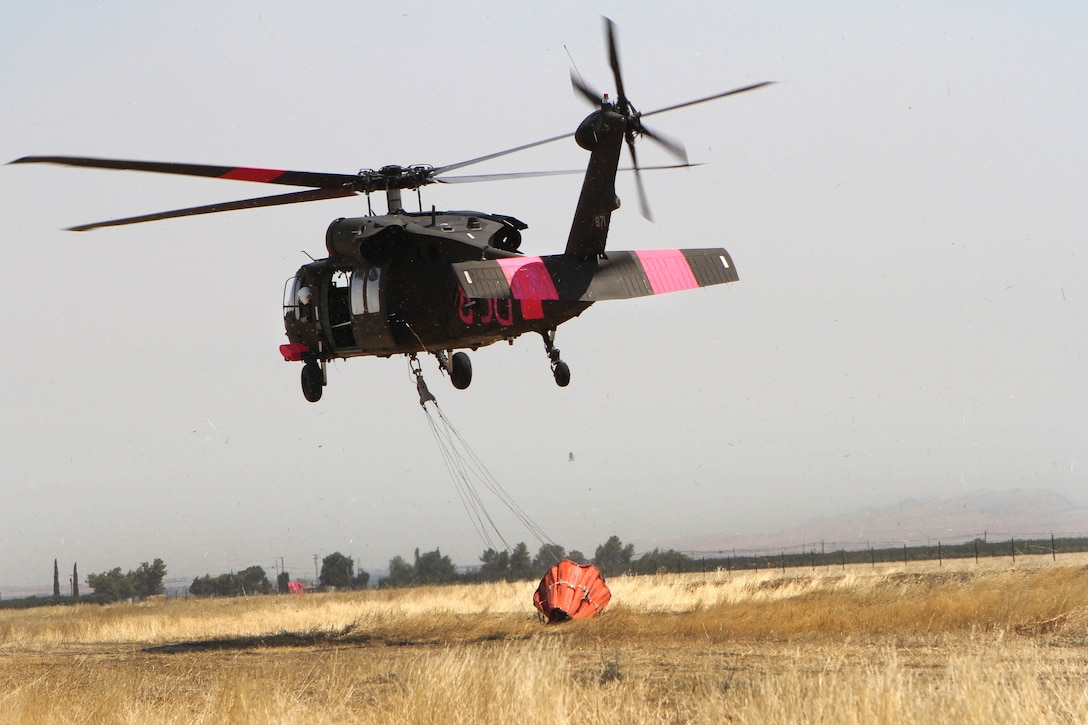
622 104
671 145
586 92
643 204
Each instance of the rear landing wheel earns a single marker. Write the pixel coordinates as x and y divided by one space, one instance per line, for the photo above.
313 381
460 370
562 374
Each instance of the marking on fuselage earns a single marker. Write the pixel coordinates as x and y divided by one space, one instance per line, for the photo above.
485 310
725 262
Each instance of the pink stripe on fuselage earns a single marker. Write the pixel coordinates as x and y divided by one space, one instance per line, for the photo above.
245 174
528 278
667 270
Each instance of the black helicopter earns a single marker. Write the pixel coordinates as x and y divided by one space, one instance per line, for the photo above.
438 281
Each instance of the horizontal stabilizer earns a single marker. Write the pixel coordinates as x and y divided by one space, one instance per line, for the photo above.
620 275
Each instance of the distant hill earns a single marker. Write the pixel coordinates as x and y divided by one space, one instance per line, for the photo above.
982 513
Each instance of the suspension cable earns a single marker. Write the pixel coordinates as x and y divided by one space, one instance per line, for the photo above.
467 470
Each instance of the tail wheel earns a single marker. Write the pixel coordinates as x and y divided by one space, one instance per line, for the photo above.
460 370
313 381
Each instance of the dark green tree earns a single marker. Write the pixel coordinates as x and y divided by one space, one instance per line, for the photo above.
112 586
75 581
548 556
281 582
521 564
254 580
428 568
337 571
495 565
361 580
577 557
613 557
147 579
56 579
658 561
251 580
204 586
433 568
401 573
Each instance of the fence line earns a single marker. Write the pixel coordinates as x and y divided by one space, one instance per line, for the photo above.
823 553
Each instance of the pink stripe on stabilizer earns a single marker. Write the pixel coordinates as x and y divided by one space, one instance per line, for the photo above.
667 270
528 278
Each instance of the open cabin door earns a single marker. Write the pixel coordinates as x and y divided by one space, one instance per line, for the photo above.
335 303
370 320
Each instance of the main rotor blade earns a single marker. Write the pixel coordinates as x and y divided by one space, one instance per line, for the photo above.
294 197
241 173
472 179
710 98
497 154
338 182
674 147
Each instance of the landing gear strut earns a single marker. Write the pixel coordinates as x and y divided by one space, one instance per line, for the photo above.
560 370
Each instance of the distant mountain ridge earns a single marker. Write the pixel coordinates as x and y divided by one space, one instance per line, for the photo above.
982 513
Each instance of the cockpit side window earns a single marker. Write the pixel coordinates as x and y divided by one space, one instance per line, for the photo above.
291 302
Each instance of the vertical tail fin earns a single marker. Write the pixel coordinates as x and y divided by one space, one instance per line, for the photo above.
601 133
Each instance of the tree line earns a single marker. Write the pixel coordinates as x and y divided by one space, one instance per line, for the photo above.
338 572
432 567
612 557
143 582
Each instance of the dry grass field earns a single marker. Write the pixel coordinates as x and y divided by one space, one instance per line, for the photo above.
960 643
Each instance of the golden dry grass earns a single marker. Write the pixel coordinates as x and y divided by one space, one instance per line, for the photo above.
959 643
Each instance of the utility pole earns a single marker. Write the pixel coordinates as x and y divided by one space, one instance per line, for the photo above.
317 575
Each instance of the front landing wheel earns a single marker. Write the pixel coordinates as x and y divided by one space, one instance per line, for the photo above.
313 381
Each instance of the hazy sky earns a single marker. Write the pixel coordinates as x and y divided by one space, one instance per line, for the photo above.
906 209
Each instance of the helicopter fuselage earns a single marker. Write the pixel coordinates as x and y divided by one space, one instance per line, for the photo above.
388 287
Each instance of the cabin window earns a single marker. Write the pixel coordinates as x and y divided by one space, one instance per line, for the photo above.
373 288
366 290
